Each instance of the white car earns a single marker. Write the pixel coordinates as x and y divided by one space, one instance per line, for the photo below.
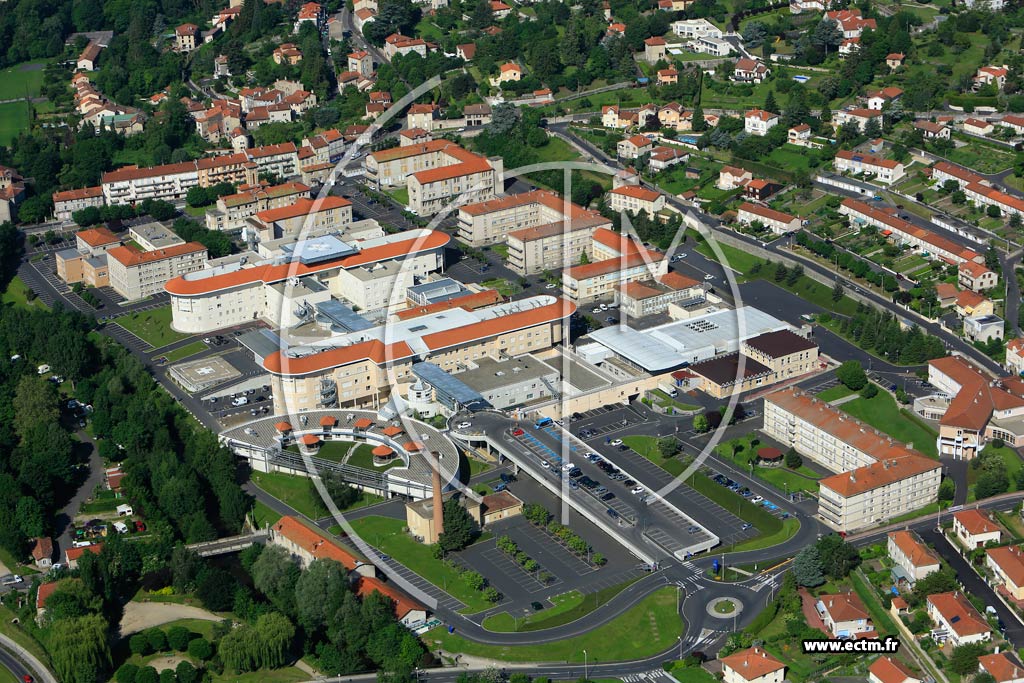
550 285
545 464
567 466
616 442
638 490
604 307
709 276
464 425
756 499
596 310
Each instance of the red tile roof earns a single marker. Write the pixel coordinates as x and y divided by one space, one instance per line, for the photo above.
403 603
916 552
765 212
303 207
314 543
889 670
752 663
549 199
130 257
42 548
43 594
975 522
83 193
97 237
637 192
1001 667
75 554
959 613
1010 560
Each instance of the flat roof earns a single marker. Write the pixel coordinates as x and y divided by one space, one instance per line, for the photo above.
681 342
491 374
342 315
453 386
318 249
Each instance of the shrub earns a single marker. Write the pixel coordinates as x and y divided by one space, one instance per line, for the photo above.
139 644
178 637
200 648
157 639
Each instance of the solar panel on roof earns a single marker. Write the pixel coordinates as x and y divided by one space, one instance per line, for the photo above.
343 316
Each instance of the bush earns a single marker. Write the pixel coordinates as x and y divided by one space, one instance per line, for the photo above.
178 637
870 390
139 644
998 443
127 673
186 673
147 674
157 639
200 648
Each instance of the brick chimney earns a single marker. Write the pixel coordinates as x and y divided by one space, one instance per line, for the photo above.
438 499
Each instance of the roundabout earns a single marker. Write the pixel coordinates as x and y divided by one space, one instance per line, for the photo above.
722 608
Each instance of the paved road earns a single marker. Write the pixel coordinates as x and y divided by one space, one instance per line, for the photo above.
21 663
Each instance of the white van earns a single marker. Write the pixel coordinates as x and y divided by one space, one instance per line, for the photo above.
120 527
11 579
240 401
81 544
42 369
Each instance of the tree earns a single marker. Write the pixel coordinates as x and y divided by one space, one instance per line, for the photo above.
964 658
807 569
178 637
991 483
186 673
769 102
870 390
852 375
80 651
838 558
668 446
275 575
947 489
319 592
992 258
838 292
793 459
701 424
200 648
460 529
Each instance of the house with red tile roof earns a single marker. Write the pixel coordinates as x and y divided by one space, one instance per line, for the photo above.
845 615
974 529
73 555
753 665
954 614
885 669
1007 565
912 557
1002 666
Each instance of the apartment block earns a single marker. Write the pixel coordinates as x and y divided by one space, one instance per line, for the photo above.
308 217
904 232
635 199
136 274
232 211
778 222
67 202
490 222
553 246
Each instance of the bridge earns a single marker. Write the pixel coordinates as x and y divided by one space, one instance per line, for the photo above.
231 544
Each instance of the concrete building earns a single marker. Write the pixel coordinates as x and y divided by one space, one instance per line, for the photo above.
87 262
68 202
914 559
974 529
649 297
635 199
844 615
185 37
761 361
878 478
233 211
491 221
281 290
955 615
306 217
136 274
779 223
696 28
633 147
419 516
618 260
752 665
983 328
1014 362
518 381
857 118
553 246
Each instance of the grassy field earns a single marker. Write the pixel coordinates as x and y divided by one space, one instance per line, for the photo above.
882 413
362 456
263 515
17 295
22 80
503 286
400 195
385 534
666 401
291 489
183 352
10 629
649 627
647 446
789 157
13 119
153 326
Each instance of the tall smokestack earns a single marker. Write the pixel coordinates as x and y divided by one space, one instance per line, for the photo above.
438 500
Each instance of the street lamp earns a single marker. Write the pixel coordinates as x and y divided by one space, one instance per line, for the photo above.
680 638
585 675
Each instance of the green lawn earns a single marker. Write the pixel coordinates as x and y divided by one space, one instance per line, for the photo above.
385 534
503 286
362 456
153 326
19 81
291 489
185 351
666 401
263 515
982 158
651 626
503 622
835 393
478 466
400 195
13 119
789 157
882 413
782 478
17 295
1010 457
789 528
737 260
647 446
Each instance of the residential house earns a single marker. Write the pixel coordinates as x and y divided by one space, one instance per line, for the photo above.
879 98
760 189
759 121
894 60
955 615
850 22
858 118
978 126
466 51
1007 565
885 170
752 665
913 560
984 328
185 37
1013 122
696 28
844 615
1002 667
634 199
974 529
655 49
73 555
90 55
667 76
664 157
885 669
730 177
1014 362
499 10
991 75
42 552
932 131
975 276
779 223
67 202
361 62
633 147
970 303
749 71
287 53
507 73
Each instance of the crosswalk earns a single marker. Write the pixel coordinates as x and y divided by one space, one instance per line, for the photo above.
652 676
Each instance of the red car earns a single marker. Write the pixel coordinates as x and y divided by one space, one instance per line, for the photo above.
140 525
27 678
517 432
